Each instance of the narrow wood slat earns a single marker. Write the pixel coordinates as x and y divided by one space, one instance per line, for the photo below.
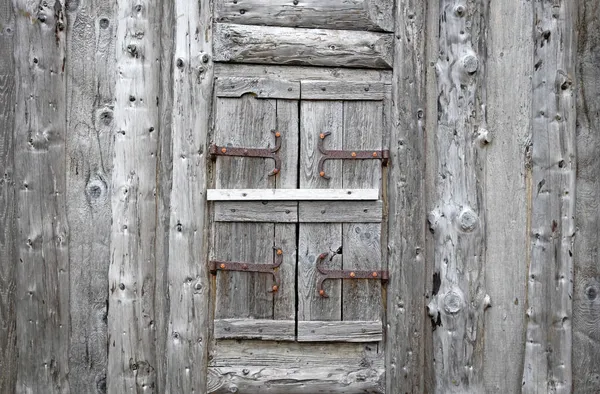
373 15
258 87
255 211
344 90
334 212
340 331
265 329
318 47
291 194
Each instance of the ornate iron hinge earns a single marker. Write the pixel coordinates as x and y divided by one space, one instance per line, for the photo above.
382 155
344 274
271 153
218 265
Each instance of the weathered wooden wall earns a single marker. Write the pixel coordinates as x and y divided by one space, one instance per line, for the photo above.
105 123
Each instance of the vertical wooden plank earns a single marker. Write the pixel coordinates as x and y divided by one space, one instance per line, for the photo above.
244 122
188 277
315 238
90 88
8 234
42 289
586 297
549 308
132 359
361 242
404 347
458 218
510 50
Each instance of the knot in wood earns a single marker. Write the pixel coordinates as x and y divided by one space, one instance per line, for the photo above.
468 220
470 63
452 302
460 10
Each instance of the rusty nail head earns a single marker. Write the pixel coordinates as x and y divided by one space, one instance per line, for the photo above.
321 292
275 171
374 154
374 274
223 150
352 274
245 266
275 288
322 173
279 252
278 134
322 135
353 154
222 266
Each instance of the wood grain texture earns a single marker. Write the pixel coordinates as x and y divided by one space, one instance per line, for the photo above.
341 331
510 54
258 87
90 120
342 90
188 277
373 15
586 298
336 212
405 315
256 211
132 362
292 194
264 329
42 269
550 282
8 201
319 47
458 220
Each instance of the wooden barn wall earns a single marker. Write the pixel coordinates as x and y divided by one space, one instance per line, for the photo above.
104 120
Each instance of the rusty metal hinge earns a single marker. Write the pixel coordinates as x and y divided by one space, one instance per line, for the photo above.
344 274
218 265
271 153
382 155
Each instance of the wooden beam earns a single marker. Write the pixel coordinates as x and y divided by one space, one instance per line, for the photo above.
42 266
258 87
264 329
132 359
90 121
458 221
8 203
318 47
550 280
256 211
342 90
510 54
188 277
373 15
333 211
340 331
291 194
586 291
406 324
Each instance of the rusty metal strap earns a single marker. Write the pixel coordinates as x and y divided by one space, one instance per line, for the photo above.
269 153
220 265
382 155
344 274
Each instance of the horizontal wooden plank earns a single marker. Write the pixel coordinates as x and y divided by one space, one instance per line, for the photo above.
340 331
291 194
314 47
334 212
344 90
274 379
258 87
256 211
373 15
276 330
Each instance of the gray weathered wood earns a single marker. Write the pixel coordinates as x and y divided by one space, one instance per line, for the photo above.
240 194
319 47
326 14
188 277
90 121
317 238
586 292
343 90
338 212
254 211
297 73
265 329
458 218
42 268
341 331
361 242
132 362
258 87
550 282
8 201
510 54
